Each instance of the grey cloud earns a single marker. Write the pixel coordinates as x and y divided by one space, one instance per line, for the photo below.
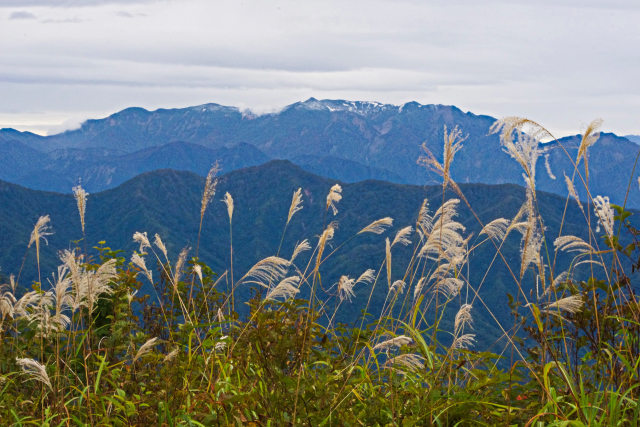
69 3
74 20
22 14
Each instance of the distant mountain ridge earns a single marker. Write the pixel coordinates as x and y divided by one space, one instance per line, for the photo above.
345 140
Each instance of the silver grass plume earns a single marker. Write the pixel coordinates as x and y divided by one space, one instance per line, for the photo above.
171 355
367 277
209 188
345 288
40 230
326 235
526 149
7 301
572 244
145 348
228 200
334 196
63 298
589 138
266 271
221 344
23 306
388 260
547 166
402 236
296 204
39 314
139 262
300 247
452 144
419 286
81 200
572 191
198 270
464 341
560 278
449 286
378 226
287 288
424 223
411 361
571 304
530 251
397 288
605 214
90 285
35 370
177 272
396 342
463 318
346 284
496 229
445 239
142 240
160 245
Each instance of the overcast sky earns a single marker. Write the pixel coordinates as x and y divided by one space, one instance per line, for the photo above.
562 63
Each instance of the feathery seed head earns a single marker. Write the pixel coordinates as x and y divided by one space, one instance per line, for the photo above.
228 200
139 262
388 260
142 240
209 188
160 245
145 348
589 138
182 258
334 196
402 236
267 271
345 288
571 304
572 191
198 270
296 204
40 230
35 370
572 244
464 341
411 361
547 166
605 214
171 355
81 200
367 277
452 144
377 226
397 288
396 342
300 247
287 288
496 229
463 318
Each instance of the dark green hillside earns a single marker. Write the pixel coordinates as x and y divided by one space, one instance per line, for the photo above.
168 203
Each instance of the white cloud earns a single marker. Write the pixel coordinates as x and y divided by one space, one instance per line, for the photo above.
562 63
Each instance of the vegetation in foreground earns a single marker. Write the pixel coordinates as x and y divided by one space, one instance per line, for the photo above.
83 347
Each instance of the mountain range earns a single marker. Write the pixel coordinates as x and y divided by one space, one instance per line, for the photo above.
167 202
349 141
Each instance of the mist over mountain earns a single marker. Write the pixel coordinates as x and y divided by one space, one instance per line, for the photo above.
346 140
167 202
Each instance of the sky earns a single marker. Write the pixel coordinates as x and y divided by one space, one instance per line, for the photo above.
561 63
